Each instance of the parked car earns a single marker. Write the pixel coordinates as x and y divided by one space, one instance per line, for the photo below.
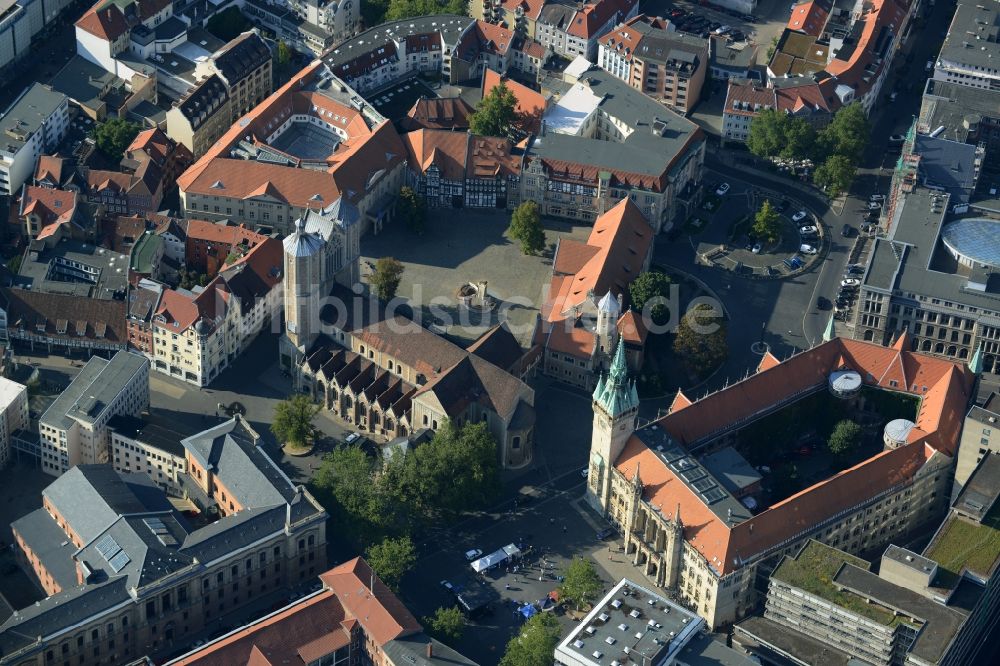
605 533
807 249
877 197
756 248
847 231
353 437
874 205
805 231
723 188
448 586
473 554
854 270
823 303
850 282
799 216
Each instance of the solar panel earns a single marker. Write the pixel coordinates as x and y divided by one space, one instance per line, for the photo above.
704 484
691 475
107 547
119 561
713 495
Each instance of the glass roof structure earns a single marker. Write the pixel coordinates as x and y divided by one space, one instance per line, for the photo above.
976 240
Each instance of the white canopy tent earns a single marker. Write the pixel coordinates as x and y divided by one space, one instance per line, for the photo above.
488 561
512 551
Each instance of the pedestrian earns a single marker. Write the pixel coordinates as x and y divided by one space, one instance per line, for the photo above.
564 529
506 586
539 579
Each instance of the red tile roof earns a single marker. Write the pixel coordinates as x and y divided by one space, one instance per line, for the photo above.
494 38
108 23
438 113
50 167
531 8
446 150
588 22
54 207
366 598
810 17
632 329
530 103
939 421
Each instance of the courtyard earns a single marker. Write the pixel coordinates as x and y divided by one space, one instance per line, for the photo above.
463 246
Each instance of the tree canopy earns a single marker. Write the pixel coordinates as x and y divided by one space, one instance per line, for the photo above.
386 277
581 584
293 419
847 134
835 174
447 624
526 227
496 114
536 643
646 287
767 224
402 9
411 208
774 133
391 559
701 350
114 136
284 54
845 438
228 24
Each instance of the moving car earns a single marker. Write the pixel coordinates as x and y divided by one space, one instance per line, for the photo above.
801 215
850 282
723 188
808 230
807 249
473 554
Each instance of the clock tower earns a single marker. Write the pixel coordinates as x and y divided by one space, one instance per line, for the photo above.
616 407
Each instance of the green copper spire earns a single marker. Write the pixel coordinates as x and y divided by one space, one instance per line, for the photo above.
829 334
976 364
615 393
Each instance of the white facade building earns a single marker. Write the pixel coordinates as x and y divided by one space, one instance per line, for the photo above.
13 414
140 446
34 124
73 430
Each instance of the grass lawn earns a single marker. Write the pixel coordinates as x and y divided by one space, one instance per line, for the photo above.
963 544
813 571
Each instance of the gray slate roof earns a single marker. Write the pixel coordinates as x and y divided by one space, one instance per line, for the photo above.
48 542
26 115
229 451
980 19
93 389
947 164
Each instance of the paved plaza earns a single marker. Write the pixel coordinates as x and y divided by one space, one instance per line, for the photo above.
468 246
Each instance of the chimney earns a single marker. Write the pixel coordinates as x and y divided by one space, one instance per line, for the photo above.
430 650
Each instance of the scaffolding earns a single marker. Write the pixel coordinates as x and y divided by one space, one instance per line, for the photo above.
904 179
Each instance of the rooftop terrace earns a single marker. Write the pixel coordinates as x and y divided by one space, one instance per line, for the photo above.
813 571
962 544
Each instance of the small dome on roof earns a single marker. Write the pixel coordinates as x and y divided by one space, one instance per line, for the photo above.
609 304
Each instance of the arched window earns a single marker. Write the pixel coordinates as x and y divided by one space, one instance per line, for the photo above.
516 443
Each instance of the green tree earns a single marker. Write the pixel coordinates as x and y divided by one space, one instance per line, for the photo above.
284 55
536 643
800 139
581 584
847 134
767 133
386 277
767 224
647 286
526 227
496 115
363 498
391 559
835 174
412 208
293 420
845 438
447 624
700 339
114 136
456 471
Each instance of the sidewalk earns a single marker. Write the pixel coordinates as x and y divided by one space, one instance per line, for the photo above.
615 563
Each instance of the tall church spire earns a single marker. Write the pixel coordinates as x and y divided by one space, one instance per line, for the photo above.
829 333
615 394
976 364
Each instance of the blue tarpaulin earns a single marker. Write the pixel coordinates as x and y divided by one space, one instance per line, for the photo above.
528 610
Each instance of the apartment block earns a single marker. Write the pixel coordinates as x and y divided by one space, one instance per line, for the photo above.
127 576
980 439
139 445
668 66
33 125
966 56
13 415
74 429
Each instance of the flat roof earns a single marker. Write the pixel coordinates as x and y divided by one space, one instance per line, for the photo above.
813 571
956 108
27 114
76 269
964 544
568 114
974 24
83 81
152 432
9 391
93 389
786 640
909 559
732 469
982 489
631 623
938 623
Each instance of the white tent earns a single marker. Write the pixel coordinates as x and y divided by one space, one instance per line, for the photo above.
511 550
491 560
